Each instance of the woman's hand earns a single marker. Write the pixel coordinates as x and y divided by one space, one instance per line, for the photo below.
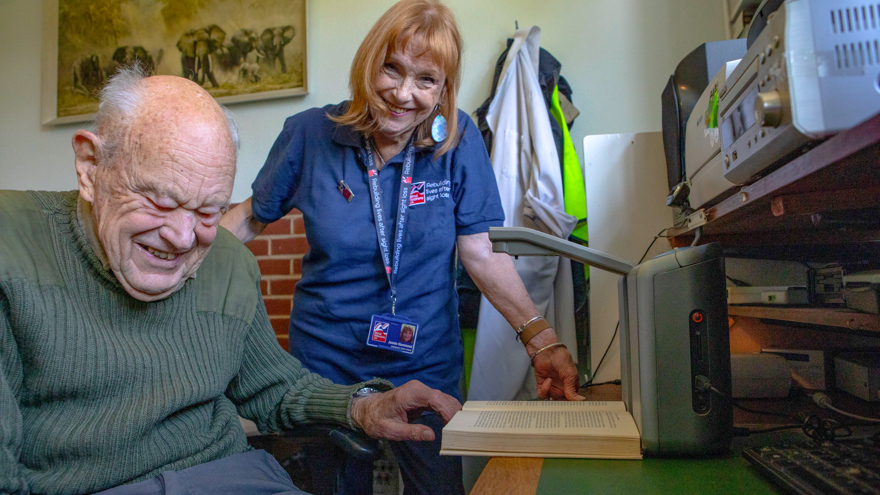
241 222
555 371
498 280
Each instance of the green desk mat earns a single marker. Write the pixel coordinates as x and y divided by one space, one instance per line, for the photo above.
730 474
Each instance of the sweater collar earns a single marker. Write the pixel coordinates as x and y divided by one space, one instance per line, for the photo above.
87 222
81 227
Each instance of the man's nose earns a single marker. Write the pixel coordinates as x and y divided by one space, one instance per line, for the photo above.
179 229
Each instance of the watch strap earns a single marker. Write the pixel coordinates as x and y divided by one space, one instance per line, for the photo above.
531 328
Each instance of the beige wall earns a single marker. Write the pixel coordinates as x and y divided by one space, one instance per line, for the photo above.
616 54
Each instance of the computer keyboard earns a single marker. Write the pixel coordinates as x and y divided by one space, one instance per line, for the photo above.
841 467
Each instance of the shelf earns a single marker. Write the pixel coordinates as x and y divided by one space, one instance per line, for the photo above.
827 196
832 317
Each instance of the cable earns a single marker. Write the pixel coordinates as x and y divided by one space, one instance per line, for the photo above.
824 401
609 382
815 427
755 411
659 234
590 380
737 282
825 429
697 236
748 431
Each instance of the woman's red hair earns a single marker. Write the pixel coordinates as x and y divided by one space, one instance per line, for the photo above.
428 27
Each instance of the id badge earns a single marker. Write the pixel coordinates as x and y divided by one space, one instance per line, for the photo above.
394 333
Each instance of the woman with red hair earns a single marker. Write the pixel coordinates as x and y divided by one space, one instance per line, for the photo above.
390 185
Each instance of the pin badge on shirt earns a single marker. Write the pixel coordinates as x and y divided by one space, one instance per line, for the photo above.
345 190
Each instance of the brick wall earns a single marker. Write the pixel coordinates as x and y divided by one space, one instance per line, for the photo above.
279 251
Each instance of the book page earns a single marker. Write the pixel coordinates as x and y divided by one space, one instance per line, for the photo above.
542 405
568 422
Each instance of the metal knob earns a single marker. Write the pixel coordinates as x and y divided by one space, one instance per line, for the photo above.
768 109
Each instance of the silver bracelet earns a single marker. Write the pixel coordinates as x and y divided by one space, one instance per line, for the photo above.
539 351
524 325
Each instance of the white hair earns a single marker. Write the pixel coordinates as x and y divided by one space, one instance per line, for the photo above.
120 100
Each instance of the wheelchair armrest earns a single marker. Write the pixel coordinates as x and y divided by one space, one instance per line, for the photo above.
354 443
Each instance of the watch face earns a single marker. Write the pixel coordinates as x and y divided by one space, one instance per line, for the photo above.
365 391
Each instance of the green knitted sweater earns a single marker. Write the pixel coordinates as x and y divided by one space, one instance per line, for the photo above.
98 389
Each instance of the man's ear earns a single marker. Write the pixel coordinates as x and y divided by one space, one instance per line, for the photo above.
85 150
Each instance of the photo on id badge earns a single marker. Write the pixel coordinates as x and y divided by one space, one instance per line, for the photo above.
394 333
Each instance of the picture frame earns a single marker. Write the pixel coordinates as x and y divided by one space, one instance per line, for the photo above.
238 50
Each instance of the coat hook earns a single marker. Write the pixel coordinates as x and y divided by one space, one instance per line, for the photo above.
516 23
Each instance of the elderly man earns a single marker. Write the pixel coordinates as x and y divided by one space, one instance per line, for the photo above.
117 363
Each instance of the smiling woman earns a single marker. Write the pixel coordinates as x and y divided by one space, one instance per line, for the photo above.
410 60
370 168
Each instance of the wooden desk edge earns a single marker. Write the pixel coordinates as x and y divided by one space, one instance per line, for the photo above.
509 475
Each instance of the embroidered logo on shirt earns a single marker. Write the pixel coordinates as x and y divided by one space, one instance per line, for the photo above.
417 193
380 332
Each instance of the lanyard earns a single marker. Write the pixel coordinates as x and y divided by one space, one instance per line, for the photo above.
391 264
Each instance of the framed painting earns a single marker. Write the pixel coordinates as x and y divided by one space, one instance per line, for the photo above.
238 50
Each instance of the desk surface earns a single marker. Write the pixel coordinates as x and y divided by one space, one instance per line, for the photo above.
522 476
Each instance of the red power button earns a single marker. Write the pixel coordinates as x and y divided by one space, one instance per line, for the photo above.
698 317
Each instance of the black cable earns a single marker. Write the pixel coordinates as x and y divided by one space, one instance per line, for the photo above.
609 382
659 234
817 428
755 411
590 381
737 282
825 429
772 429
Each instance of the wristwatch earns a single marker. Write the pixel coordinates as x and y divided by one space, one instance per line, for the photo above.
364 392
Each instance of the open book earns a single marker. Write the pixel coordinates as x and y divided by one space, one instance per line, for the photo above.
596 429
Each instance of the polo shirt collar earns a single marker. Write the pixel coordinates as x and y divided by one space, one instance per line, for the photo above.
346 135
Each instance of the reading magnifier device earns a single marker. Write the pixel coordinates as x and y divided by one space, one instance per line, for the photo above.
674 340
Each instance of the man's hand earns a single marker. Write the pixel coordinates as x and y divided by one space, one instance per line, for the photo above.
386 415
555 371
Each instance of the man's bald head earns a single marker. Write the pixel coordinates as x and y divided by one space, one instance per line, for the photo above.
158 176
131 98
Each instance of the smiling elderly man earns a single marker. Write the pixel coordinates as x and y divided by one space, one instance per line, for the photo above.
117 363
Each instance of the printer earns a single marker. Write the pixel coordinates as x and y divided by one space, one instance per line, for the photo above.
674 339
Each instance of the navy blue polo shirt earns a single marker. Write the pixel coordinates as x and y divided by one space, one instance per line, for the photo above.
343 281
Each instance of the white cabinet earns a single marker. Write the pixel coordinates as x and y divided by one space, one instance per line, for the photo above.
737 16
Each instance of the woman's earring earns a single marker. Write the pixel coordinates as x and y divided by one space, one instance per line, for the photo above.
438 128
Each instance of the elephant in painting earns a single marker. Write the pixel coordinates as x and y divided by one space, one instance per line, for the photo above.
197 48
272 43
127 55
88 76
242 43
187 46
